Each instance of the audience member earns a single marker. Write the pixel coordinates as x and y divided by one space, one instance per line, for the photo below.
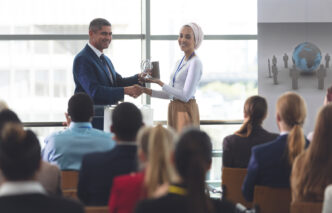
154 151
99 169
237 147
19 161
67 147
271 163
311 172
327 100
48 175
327 204
193 156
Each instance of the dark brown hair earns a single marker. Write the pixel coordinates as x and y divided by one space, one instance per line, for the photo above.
193 156
255 109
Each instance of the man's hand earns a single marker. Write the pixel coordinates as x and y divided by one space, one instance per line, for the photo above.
141 77
133 91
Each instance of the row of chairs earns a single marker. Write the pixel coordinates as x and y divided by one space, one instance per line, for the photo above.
266 199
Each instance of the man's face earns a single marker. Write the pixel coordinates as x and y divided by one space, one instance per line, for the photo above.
102 38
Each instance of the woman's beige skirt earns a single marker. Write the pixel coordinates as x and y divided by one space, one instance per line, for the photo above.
181 114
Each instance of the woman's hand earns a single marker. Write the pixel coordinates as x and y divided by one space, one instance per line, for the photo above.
154 80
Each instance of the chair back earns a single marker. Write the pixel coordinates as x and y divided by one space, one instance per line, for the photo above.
69 180
96 209
272 200
306 207
231 180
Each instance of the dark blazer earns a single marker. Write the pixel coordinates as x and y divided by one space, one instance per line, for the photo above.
91 77
237 149
99 169
38 203
173 203
268 166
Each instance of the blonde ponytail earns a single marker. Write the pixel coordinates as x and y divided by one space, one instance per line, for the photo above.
292 110
296 143
159 169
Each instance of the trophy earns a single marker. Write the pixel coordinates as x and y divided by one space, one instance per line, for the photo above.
146 67
155 72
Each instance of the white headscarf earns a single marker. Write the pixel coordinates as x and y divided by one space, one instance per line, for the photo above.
198 33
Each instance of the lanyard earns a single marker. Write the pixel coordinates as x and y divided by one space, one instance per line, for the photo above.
179 67
177 190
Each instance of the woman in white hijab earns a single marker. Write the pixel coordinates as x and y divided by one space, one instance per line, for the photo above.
183 109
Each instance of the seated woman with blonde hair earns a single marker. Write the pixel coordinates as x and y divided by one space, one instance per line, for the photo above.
311 172
155 146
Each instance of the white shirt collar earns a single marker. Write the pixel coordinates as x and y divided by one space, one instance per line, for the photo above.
21 187
284 133
98 53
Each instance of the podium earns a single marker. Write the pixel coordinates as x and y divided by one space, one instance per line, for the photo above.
146 111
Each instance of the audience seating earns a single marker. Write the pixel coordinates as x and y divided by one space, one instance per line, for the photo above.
306 207
272 200
69 180
96 209
232 179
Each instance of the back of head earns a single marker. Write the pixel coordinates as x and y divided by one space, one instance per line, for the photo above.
328 97
19 153
292 111
255 110
159 170
126 121
80 108
143 139
193 156
318 158
8 116
97 23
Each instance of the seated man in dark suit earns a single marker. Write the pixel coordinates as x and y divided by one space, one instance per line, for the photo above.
99 169
20 160
95 74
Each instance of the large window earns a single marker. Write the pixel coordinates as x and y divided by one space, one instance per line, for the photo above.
67 17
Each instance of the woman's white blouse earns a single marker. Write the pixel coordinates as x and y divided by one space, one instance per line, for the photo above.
186 81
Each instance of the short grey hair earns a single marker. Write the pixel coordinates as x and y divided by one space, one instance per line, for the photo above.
98 23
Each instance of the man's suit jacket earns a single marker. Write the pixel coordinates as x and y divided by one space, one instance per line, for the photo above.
38 203
237 149
91 77
98 170
268 166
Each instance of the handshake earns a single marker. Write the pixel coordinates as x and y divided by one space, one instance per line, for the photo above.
134 91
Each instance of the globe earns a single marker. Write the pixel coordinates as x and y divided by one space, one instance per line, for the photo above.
307 57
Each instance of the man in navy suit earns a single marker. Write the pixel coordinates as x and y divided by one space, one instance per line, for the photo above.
95 75
98 169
